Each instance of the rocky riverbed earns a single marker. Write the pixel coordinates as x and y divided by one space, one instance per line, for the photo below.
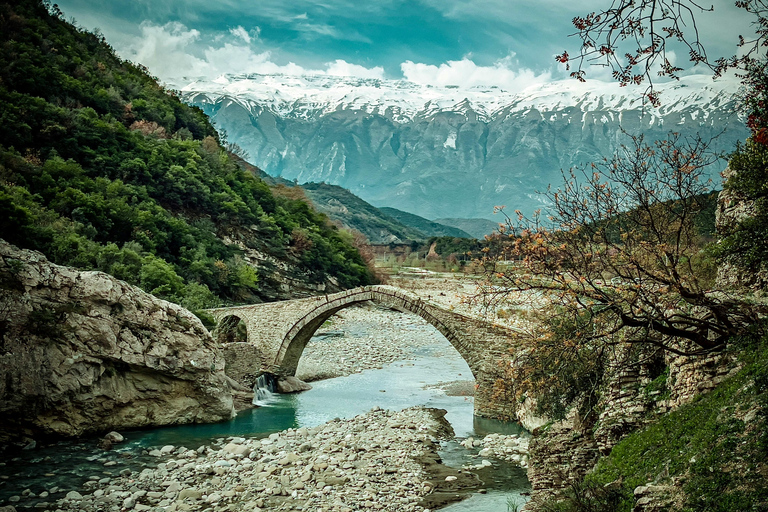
511 448
363 338
381 460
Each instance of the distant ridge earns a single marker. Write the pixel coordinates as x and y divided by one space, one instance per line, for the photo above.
342 206
441 152
478 228
426 226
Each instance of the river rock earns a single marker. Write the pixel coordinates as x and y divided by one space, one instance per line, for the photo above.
115 437
512 448
110 439
363 463
84 352
291 384
190 493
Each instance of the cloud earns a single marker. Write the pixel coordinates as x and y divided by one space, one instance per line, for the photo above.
241 33
312 31
466 73
173 51
343 68
164 50
540 16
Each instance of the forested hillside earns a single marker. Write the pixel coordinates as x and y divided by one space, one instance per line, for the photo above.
426 226
102 168
345 207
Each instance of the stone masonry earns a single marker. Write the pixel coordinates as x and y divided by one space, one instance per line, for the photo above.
281 330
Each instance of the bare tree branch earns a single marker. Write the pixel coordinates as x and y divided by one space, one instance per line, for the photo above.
635 37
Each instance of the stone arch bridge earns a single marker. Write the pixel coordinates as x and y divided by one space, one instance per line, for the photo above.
277 333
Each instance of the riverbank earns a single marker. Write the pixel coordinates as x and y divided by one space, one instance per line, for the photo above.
381 460
428 371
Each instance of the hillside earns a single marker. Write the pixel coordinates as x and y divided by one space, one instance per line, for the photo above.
478 228
104 169
426 226
342 206
706 455
379 225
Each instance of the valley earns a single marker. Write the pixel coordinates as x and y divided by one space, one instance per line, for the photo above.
375 363
504 290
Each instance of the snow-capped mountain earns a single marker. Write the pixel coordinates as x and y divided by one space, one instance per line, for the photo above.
449 151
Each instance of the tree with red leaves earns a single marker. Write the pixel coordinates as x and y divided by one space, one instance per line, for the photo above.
634 37
617 269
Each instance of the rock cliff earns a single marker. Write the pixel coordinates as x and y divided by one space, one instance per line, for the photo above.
82 352
562 454
732 208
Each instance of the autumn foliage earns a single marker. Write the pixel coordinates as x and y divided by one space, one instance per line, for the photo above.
617 271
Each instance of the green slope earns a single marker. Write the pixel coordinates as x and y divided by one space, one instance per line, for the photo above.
713 450
346 208
101 168
424 225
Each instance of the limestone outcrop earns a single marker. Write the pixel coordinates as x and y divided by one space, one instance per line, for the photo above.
733 208
290 384
82 352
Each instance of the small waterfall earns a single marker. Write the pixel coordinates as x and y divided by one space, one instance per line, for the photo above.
264 390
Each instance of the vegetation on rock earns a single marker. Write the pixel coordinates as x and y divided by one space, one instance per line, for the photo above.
629 271
623 269
748 182
708 455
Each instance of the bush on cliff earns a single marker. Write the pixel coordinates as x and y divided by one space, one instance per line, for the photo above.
709 455
102 168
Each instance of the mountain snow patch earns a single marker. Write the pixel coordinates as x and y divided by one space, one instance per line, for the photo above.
450 142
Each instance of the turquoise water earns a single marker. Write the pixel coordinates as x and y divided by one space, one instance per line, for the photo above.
399 385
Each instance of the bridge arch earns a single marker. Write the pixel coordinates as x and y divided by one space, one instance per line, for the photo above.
279 331
298 335
226 328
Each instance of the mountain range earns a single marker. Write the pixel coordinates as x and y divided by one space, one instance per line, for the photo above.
450 152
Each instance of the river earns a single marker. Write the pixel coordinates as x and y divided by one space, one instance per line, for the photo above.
410 381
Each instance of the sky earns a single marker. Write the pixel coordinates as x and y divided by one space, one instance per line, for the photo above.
439 42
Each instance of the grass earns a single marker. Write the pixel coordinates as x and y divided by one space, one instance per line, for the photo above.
714 449
513 505
719 458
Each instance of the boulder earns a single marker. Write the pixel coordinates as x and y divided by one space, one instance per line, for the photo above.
291 384
110 440
114 437
83 352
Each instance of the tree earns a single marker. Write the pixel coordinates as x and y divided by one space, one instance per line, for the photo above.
633 38
619 263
